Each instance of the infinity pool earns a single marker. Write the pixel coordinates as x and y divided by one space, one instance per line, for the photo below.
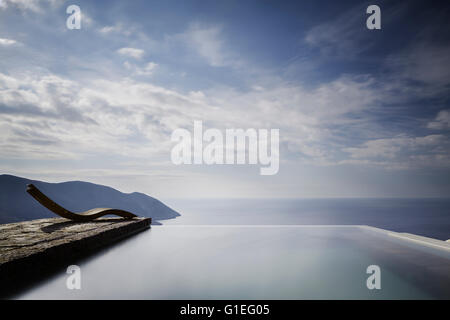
259 262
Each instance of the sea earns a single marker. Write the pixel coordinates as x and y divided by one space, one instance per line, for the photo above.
271 249
425 217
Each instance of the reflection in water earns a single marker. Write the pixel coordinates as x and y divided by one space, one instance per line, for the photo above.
254 262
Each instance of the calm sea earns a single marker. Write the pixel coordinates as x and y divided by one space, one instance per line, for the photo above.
267 249
426 217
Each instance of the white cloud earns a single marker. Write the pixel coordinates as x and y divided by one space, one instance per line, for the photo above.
100 118
198 42
338 37
130 118
107 29
345 35
31 5
423 62
118 28
403 152
131 52
442 121
86 19
150 66
8 42
207 41
145 70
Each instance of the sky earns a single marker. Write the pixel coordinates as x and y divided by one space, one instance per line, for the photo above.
360 113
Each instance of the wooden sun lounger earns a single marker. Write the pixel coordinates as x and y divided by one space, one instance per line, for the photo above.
88 215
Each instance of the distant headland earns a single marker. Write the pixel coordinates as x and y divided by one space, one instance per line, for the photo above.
16 205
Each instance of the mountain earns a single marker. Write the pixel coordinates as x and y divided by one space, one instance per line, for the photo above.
17 205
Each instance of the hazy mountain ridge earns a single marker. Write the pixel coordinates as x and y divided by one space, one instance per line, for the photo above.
17 205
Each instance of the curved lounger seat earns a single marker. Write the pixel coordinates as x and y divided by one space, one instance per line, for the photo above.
80 216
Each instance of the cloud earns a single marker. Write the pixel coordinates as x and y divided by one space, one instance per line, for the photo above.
107 29
441 122
86 19
8 42
131 52
346 36
127 116
108 123
118 28
49 96
341 36
197 43
31 5
424 62
68 118
332 123
403 152
146 70
140 116
208 43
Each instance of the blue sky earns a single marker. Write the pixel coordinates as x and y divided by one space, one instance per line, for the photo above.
361 113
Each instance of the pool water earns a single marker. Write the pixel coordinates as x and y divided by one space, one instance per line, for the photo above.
257 262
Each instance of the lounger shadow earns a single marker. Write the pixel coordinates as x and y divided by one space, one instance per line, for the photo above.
88 215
